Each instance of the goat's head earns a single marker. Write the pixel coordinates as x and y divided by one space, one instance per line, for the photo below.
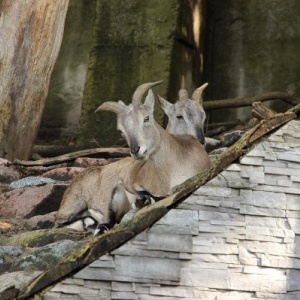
136 121
187 115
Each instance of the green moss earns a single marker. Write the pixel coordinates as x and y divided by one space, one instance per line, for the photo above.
63 107
40 238
126 52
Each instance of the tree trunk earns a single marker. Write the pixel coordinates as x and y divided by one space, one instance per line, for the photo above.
31 34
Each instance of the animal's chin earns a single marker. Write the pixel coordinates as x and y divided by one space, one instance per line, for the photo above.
143 156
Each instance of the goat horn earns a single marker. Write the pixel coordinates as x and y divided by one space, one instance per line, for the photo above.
198 92
115 107
183 94
141 90
164 103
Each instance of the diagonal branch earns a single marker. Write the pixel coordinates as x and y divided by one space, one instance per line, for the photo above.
93 248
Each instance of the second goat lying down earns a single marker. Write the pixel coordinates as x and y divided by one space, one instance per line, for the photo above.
159 162
187 115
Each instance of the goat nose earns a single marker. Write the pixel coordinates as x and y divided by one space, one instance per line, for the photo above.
202 140
135 150
200 137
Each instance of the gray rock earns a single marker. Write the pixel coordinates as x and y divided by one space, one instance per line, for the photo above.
16 280
42 221
44 258
8 254
11 250
31 181
231 137
211 144
8 174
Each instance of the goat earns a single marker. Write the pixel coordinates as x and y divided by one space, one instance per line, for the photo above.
186 116
89 192
159 162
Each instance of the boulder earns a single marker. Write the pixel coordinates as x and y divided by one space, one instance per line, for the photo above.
8 174
43 258
30 181
42 221
8 255
63 174
31 201
84 162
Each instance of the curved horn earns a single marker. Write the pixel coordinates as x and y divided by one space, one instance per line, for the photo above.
183 94
165 105
141 90
198 92
115 107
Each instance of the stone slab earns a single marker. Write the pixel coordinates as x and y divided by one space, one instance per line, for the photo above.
208 278
167 242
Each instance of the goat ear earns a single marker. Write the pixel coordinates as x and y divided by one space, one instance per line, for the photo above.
197 95
150 100
115 107
165 105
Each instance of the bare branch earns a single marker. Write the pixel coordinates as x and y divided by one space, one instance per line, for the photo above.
240 102
103 152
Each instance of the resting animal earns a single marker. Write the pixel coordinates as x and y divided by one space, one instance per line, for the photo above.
187 115
159 162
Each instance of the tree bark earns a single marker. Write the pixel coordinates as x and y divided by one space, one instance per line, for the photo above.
31 35
261 112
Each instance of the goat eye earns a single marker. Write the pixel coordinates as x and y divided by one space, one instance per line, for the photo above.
146 119
179 117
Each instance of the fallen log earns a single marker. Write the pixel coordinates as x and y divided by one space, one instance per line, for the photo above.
240 102
93 248
100 152
56 150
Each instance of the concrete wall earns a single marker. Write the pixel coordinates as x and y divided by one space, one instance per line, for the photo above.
252 47
136 42
111 47
63 107
237 237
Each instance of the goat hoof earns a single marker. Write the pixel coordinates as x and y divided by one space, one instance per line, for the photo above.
101 228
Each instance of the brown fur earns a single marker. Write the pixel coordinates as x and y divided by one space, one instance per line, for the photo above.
176 160
169 161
